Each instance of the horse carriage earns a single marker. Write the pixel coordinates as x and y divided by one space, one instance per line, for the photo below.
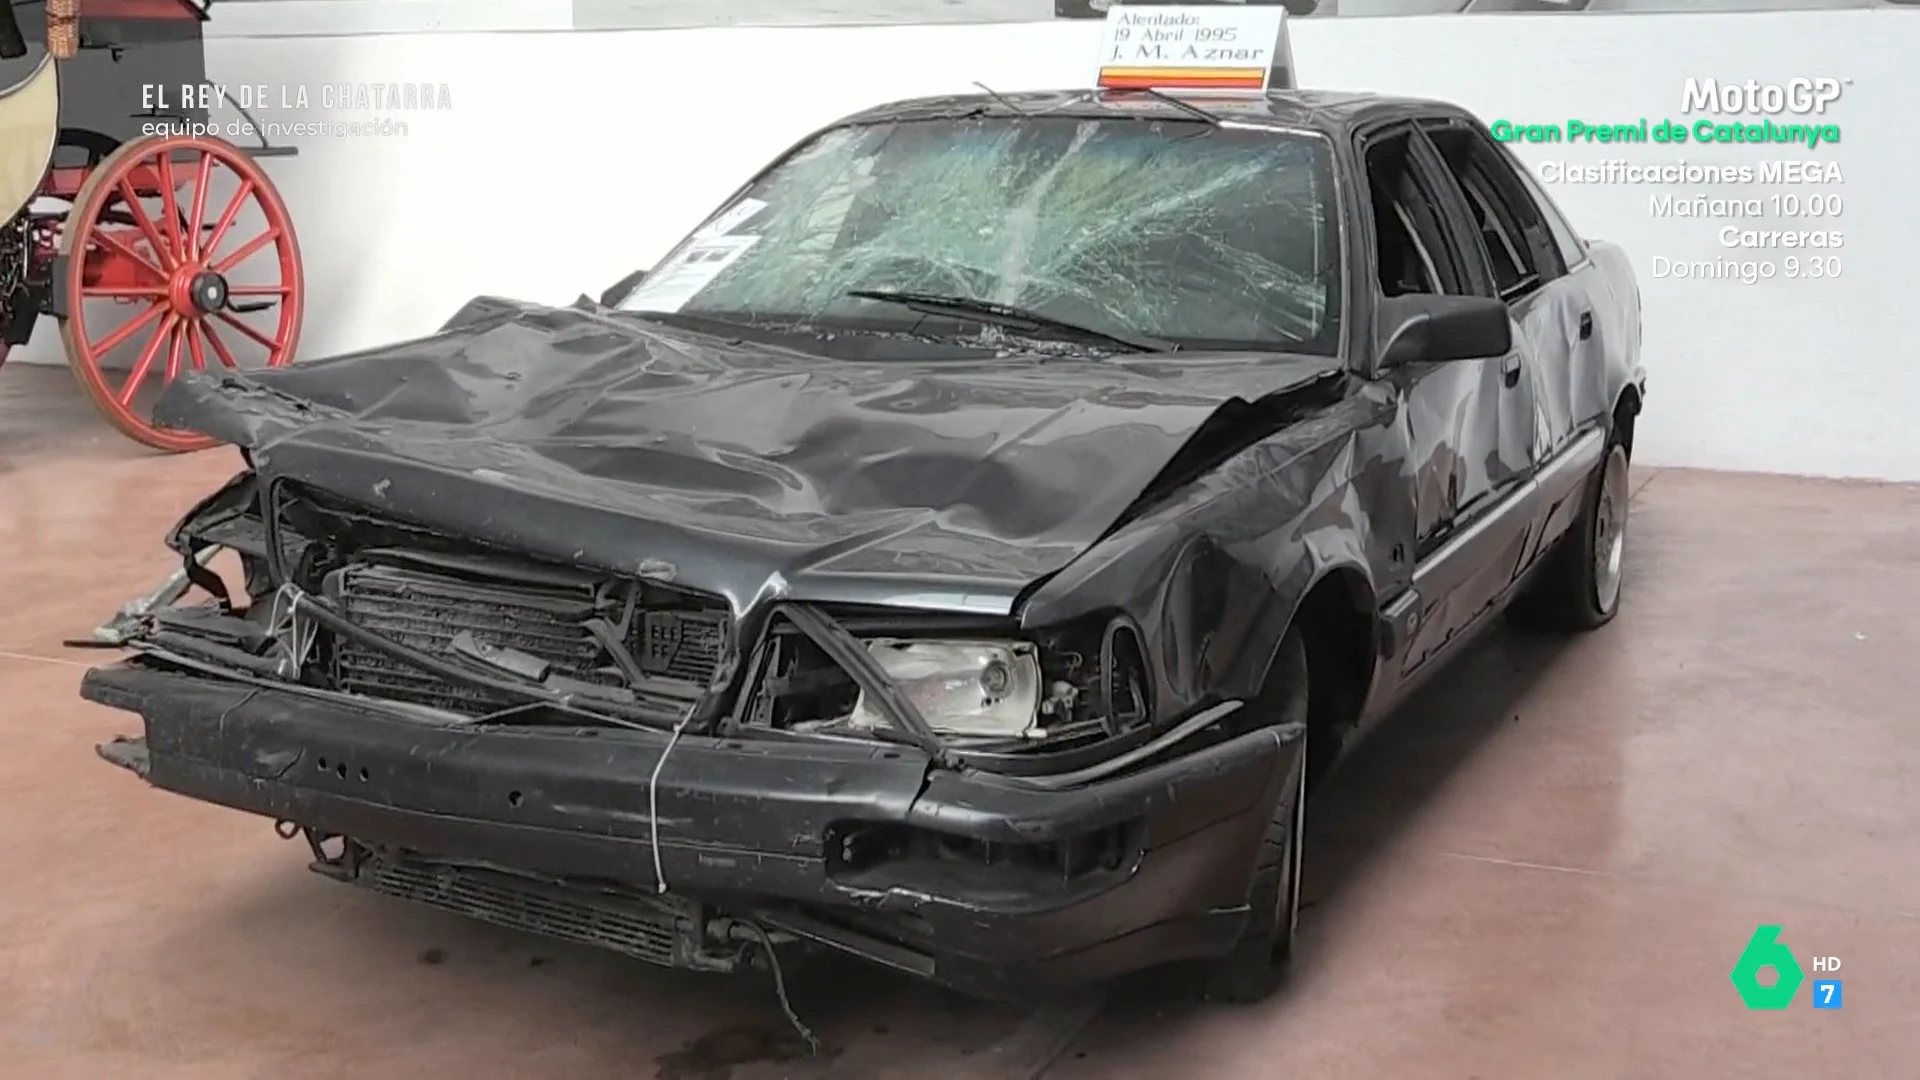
158 245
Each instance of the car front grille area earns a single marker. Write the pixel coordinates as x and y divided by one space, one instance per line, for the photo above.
633 924
512 625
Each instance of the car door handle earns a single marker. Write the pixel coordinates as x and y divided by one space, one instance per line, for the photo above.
1510 370
1586 325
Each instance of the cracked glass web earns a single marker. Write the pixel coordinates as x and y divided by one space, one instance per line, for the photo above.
1180 231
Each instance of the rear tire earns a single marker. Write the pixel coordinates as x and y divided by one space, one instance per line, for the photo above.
1258 964
1579 587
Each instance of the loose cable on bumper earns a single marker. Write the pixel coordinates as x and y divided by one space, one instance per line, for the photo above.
653 801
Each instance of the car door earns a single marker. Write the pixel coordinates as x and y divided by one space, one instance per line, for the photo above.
1468 426
1530 269
1541 269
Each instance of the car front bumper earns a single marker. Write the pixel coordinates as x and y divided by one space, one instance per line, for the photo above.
749 826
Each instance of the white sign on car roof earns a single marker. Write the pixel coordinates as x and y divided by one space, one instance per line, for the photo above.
1232 49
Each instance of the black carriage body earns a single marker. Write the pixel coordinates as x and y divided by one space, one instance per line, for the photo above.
133 129
126 46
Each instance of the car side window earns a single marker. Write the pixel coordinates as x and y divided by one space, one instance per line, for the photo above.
1520 250
1573 250
1410 245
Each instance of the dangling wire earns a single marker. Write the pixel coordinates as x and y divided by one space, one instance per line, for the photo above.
653 798
780 985
295 634
660 877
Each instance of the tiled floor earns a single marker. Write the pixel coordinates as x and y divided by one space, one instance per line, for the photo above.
1543 871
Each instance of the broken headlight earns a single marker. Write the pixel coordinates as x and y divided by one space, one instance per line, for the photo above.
960 687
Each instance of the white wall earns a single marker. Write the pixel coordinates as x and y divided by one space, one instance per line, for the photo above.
569 158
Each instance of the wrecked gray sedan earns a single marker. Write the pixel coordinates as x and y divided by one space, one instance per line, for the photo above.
965 551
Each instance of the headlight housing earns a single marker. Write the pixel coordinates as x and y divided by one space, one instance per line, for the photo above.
980 688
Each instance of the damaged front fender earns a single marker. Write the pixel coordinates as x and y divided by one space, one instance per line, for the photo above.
1215 574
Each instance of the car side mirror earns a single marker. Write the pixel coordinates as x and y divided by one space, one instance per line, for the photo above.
1428 329
622 289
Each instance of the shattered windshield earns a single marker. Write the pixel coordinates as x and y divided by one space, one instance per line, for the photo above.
1179 231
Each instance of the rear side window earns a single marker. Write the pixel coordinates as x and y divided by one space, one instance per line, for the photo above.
1573 250
1520 252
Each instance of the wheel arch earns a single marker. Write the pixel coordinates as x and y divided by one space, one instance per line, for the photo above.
1337 615
1626 408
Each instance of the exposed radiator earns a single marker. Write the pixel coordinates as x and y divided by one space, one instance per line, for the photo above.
636 925
428 610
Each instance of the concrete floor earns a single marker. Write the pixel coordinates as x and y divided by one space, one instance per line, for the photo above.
1546 868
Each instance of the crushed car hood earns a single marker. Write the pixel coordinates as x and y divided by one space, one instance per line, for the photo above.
752 471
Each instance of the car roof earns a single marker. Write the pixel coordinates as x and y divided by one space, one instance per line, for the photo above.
1325 111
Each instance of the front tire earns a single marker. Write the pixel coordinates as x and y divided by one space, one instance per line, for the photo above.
1259 961
1579 587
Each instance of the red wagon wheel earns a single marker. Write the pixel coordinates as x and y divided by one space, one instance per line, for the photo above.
145 235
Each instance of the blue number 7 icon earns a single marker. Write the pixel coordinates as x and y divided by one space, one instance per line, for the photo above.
1826 994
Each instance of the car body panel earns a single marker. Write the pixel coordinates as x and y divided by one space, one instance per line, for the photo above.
752 473
732 820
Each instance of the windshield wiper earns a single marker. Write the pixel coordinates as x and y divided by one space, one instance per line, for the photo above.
1005 315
